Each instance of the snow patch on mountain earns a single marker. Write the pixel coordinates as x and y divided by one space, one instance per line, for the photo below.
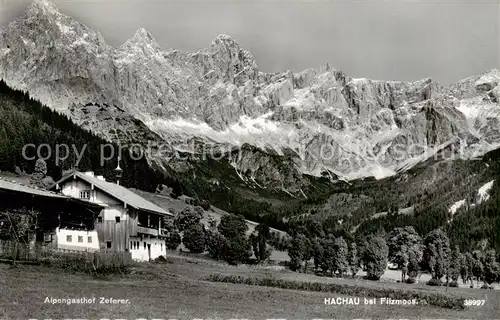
246 130
484 192
376 171
457 205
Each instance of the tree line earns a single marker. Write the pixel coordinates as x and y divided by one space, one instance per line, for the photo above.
337 253
402 247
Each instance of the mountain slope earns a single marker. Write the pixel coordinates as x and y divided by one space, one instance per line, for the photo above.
320 119
25 124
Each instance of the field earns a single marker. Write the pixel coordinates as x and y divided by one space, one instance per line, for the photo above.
177 290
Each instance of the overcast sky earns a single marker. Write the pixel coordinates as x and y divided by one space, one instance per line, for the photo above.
390 40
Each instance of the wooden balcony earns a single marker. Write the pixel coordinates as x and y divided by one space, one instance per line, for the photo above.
145 230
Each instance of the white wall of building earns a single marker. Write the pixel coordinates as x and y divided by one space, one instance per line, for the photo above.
72 188
77 240
110 213
140 251
115 208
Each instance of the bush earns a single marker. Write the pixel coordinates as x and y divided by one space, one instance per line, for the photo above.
453 284
188 217
216 245
161 259
173 240
299 250
22 220
101 264
279 242
434 282
437 253
259 240
411 280
194 238
374 257
237 250
47 182
232 226
434 299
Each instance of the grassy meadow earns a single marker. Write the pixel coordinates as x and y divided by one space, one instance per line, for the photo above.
177 289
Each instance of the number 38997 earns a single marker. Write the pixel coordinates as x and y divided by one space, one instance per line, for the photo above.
474 303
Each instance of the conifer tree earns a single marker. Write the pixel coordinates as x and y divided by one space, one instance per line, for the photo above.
353 259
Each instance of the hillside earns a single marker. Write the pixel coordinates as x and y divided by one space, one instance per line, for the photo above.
290 149
26 122
176 205
461 196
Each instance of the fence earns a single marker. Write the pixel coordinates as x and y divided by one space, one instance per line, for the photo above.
103 260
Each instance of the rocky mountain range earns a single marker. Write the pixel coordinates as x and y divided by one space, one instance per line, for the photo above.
273 129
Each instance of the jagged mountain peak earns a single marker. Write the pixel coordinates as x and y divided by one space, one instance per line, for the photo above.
227 61
42 22
45 7
224 39
45 4
224 42
142 40
143 35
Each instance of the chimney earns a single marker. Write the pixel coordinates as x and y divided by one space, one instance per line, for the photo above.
89 173
101 178
118 172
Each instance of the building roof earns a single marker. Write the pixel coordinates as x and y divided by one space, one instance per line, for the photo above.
12 186
17 187
119 192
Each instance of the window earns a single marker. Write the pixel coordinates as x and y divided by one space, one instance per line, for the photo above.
117 219
85 194
80 238
69 238
161 246
131 245
144 244
89 239
99 219
108 244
